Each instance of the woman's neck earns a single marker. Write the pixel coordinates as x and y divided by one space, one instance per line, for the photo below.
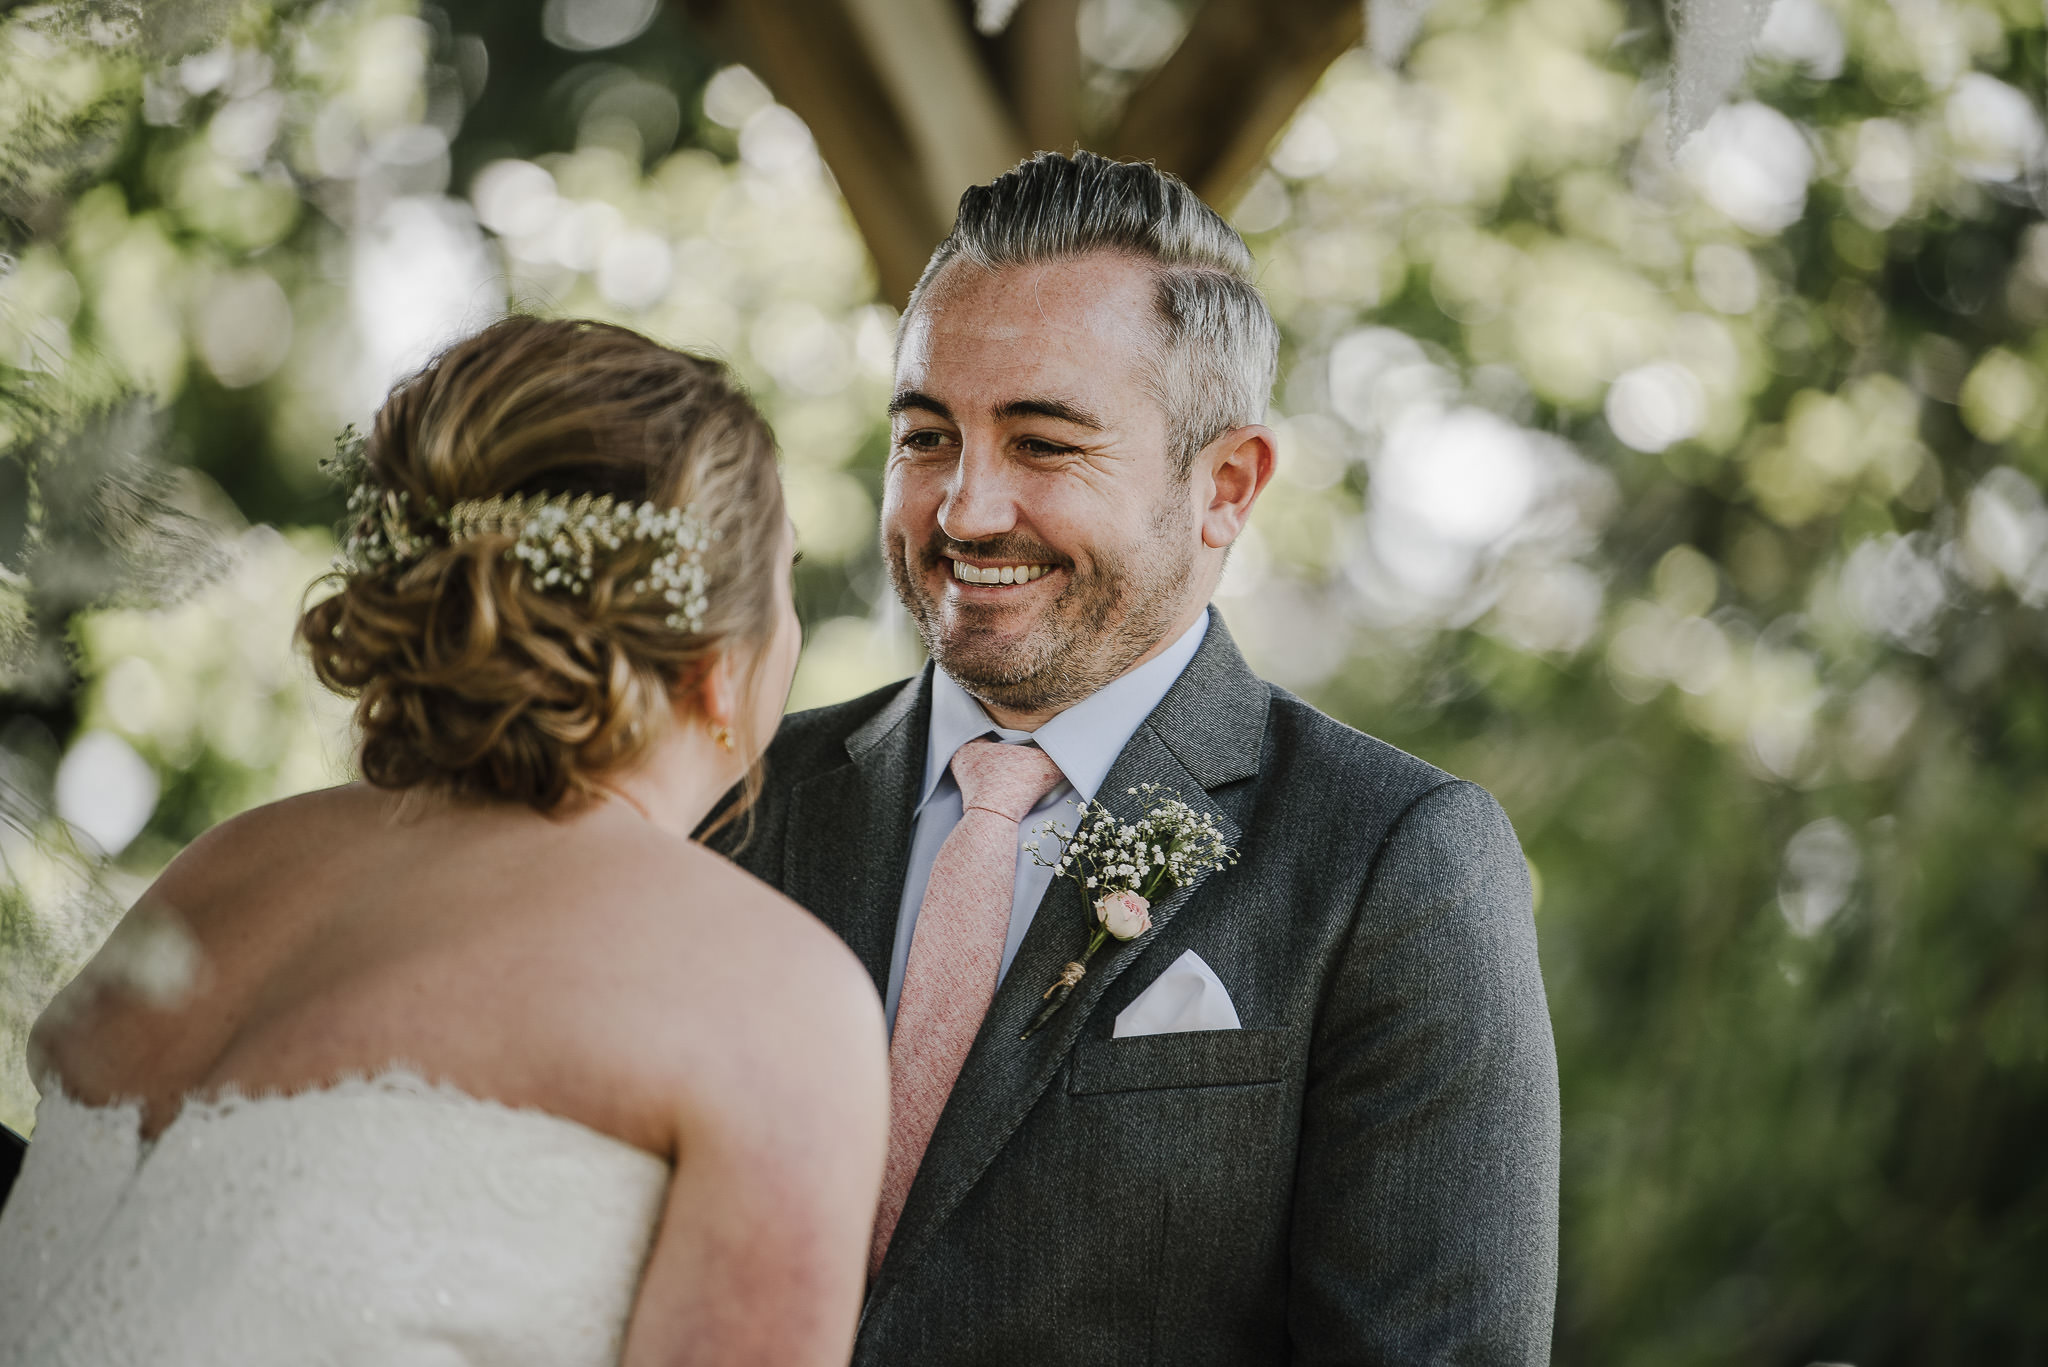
679 782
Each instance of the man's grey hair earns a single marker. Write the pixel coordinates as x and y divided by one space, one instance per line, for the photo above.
1218 347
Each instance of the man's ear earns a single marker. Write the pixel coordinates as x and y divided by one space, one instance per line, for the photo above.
1234 469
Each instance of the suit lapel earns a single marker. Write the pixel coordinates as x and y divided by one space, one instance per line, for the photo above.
848 845
1205 733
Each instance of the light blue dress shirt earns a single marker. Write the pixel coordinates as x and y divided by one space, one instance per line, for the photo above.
1083 741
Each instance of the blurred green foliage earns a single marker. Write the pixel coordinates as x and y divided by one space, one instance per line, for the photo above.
1691 502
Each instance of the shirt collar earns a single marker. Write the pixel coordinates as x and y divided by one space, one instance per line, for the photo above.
1084 740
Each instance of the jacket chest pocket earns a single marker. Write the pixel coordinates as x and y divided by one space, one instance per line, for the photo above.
1193 1058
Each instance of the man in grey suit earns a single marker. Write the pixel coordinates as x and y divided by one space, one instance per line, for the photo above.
1310 1115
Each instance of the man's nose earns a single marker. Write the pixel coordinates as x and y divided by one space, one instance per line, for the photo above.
980 503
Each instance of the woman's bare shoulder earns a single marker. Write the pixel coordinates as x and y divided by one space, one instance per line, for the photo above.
304 829
740 977
745 926
169 946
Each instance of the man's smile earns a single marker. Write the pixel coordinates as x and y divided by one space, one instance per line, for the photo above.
998 572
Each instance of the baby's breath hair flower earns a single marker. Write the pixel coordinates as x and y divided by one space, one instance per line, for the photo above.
379 531
558 538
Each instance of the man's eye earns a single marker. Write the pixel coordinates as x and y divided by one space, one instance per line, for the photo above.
924 440
1039 446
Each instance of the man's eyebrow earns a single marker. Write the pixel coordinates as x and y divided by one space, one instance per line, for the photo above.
907 399
1057 409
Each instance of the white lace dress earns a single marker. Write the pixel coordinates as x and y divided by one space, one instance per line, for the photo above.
381 1221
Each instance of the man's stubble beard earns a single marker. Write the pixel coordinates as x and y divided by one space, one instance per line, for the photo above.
1088 637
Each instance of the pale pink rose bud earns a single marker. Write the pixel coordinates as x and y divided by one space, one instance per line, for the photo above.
1124 915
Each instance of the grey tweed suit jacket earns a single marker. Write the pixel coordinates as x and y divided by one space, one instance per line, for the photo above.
1365 1173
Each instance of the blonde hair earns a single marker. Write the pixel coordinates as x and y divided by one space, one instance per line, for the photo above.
471 680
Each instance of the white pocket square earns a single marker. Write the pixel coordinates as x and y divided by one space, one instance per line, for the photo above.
1187 996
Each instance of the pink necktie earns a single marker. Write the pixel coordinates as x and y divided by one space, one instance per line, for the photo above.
955 954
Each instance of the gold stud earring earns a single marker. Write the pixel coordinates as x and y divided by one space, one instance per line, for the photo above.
723 735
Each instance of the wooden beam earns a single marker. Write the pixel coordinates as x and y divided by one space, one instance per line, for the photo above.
902 104
1210 113
926 56
1038 62
811 56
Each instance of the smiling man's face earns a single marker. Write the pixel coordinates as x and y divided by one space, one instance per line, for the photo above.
1033 520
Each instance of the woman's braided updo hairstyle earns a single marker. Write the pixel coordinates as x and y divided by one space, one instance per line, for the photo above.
468 678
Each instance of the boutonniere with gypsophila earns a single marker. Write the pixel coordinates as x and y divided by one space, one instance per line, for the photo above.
1123 867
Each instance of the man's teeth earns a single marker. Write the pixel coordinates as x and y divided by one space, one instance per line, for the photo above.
998 574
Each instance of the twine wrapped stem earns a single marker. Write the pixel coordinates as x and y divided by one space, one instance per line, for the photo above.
1070 977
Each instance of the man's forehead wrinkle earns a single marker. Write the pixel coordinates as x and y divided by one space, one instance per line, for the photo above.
1068 340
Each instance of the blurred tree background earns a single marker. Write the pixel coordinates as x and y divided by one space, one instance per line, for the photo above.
1689 500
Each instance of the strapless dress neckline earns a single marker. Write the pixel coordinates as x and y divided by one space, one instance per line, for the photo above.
395 1079
382 1217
